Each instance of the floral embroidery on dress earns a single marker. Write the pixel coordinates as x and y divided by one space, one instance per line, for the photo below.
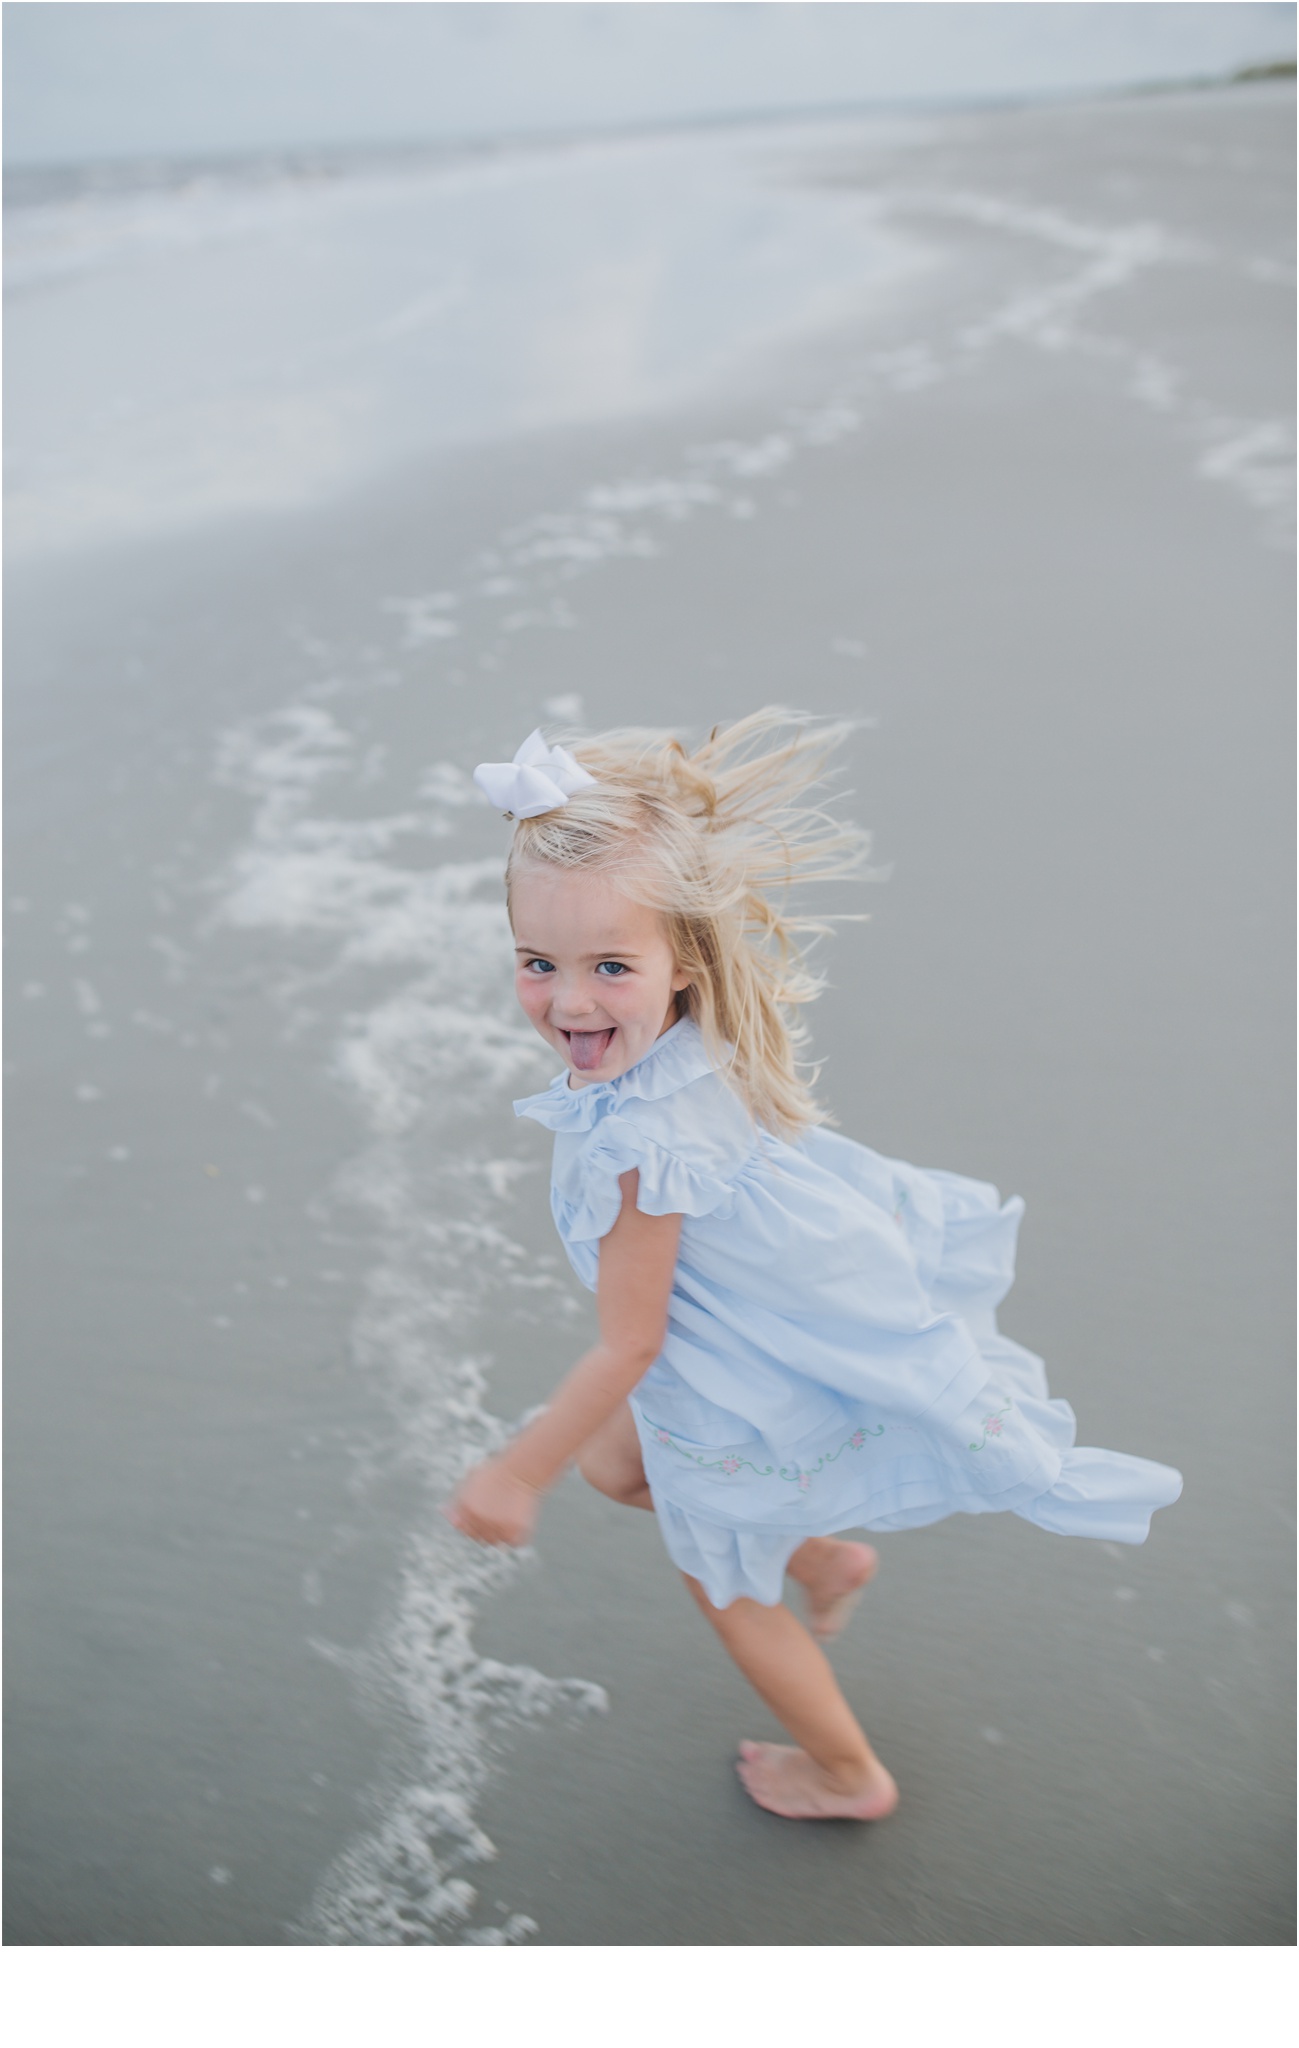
992 1425
797 1475
901 1205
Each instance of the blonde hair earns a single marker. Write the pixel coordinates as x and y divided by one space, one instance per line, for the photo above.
715 840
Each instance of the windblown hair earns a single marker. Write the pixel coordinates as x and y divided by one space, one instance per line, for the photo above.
715 840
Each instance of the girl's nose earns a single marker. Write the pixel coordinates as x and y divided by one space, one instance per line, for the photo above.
574 1003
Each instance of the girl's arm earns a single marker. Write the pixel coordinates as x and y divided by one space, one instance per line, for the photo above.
499 1500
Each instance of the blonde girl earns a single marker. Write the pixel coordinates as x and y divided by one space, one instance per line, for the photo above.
797 1337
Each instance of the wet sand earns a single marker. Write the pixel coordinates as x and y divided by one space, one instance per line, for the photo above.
279 1257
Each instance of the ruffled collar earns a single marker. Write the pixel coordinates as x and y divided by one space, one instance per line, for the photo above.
674 1060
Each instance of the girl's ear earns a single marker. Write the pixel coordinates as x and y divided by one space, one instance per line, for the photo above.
680 981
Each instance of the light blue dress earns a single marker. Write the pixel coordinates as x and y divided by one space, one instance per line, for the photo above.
832 1359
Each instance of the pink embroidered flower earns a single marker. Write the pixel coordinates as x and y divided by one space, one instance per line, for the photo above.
804 1481
661 1436
731 1464
993 1425
857 1439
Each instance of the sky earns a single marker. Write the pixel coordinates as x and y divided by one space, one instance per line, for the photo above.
125 79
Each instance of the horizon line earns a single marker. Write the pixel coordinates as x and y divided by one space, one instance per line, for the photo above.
1272 71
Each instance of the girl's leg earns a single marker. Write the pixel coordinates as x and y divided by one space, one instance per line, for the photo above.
610 1461
833 1575
834 1774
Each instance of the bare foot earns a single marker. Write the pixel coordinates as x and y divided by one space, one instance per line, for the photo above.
833 1575
788 1782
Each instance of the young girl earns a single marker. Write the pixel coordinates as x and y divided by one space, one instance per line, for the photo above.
796 1336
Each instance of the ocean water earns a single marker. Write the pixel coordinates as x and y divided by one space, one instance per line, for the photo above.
188 345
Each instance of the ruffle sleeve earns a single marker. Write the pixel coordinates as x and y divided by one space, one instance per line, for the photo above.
671 1118
587 1195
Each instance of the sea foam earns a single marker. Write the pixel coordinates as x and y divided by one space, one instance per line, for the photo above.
440 1048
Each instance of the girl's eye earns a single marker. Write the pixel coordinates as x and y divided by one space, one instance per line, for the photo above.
611 967
539 967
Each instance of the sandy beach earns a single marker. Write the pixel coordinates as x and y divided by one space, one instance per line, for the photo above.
973 428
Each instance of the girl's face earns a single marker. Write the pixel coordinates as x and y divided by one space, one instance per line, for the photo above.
593 970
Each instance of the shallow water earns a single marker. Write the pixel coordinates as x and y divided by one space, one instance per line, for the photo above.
180 349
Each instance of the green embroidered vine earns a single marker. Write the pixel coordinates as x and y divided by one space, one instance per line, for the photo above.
792 1474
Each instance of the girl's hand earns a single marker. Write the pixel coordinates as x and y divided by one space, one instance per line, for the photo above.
492 1506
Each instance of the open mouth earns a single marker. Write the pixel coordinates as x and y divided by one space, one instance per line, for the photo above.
587 1049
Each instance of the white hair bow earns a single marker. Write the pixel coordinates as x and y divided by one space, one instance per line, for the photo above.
539 778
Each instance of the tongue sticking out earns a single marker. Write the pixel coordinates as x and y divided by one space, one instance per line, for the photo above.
588 1048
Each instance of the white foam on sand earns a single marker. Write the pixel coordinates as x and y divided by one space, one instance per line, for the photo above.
436 1052
1074 267
1255 457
